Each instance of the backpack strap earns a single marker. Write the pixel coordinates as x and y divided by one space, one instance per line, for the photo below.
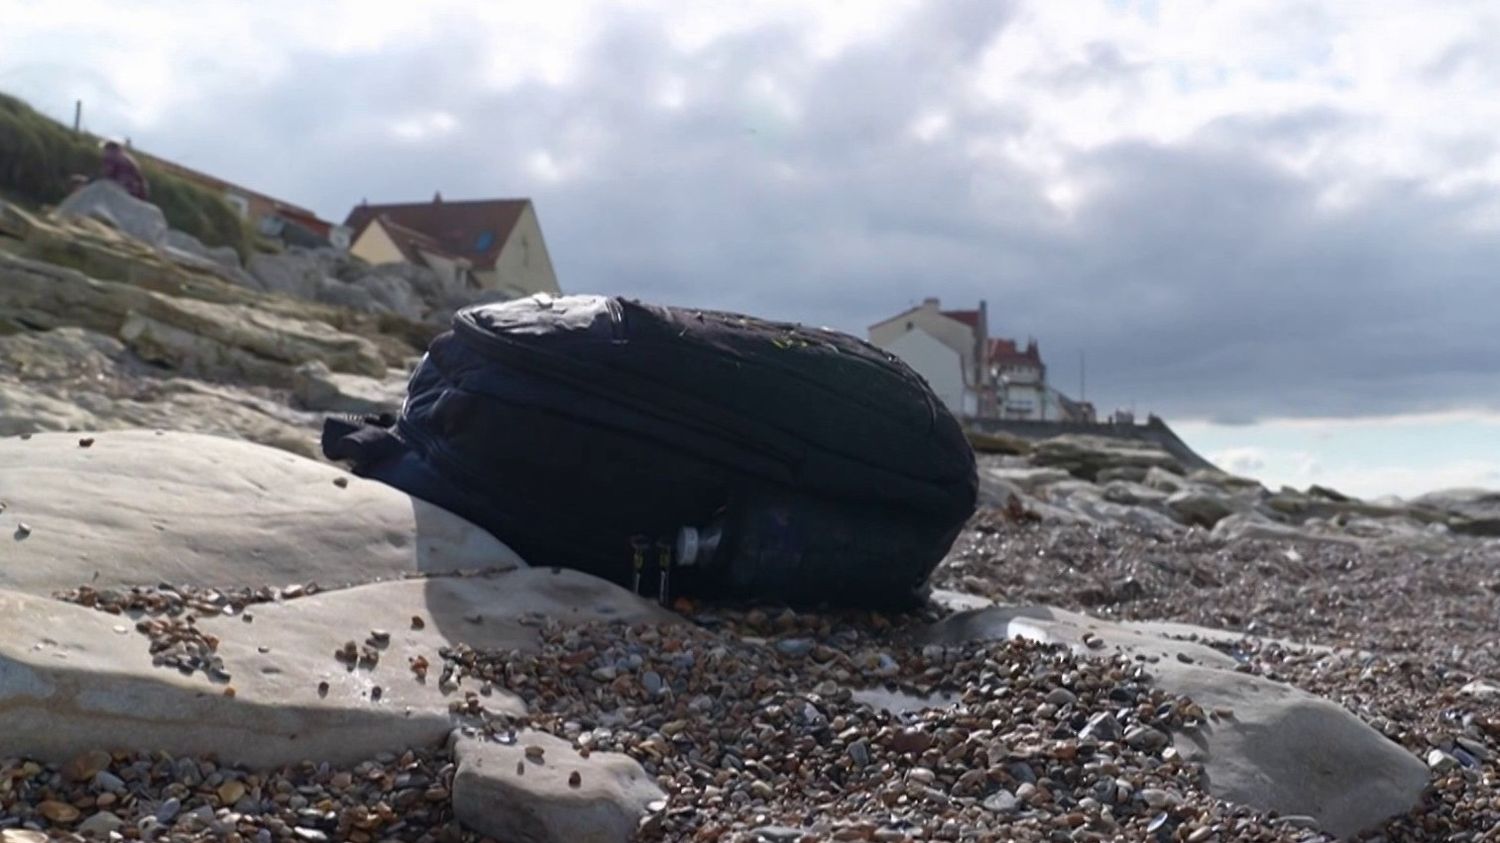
365 441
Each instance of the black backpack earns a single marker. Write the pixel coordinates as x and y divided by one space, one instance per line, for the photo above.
680 451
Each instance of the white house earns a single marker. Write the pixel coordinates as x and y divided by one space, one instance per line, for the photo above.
974 375
964 332
939 365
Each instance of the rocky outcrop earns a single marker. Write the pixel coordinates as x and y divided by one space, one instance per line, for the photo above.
74 379
1267 745
315 387
1085 456
234 342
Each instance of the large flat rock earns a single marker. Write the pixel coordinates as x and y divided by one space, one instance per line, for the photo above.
137 507
1282 749
75 679
557 796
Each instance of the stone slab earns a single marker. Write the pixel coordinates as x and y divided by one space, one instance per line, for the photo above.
74 679
139 508
556 797
1282 749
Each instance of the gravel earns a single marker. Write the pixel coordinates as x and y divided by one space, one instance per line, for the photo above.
759 723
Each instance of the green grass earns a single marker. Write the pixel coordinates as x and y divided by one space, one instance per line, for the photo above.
38 156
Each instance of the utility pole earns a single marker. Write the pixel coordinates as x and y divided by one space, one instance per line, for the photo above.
77 115
1082 395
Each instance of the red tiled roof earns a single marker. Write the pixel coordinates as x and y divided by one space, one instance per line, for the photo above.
476 230
968 317
1005 352
411 243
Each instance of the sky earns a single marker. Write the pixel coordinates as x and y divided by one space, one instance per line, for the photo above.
1275 224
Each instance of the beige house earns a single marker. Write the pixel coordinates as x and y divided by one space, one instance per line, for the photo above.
487 244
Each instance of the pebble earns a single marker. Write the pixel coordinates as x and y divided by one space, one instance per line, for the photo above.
1146 738
859 752
1061 697
58 812
1441 762
652 682
1002 802
795 646
1158 798
100 824
911 741
167 811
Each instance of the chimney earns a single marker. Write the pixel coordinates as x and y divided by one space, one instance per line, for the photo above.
932 302
437 197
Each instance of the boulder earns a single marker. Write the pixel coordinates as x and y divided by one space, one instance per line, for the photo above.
317 388
107 202
141 508
998 443
1299 508
1132 494
1164 481
1027 479
74 680
1085 456
328 276
188 244
1199 507
557 796
1252 525
1227 482
1128 473
1086 501
1474 512
1281 749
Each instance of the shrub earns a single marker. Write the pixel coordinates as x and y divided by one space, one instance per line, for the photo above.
39 156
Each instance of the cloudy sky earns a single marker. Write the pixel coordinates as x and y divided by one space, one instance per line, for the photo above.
1274 223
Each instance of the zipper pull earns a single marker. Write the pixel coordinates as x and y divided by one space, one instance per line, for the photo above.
638 547
664 560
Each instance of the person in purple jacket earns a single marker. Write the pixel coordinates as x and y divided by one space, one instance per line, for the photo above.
119 167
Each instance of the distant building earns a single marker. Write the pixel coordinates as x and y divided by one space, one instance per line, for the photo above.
964 336
974 375
270 216
491 244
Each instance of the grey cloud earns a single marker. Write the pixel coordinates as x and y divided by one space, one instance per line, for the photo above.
1201 278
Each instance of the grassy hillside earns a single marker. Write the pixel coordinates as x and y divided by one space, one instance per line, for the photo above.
38 155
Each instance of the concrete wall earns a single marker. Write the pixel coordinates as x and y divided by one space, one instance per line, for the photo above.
1154 431
523 267
938 364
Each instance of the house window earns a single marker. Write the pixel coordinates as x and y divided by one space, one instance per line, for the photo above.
484 241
